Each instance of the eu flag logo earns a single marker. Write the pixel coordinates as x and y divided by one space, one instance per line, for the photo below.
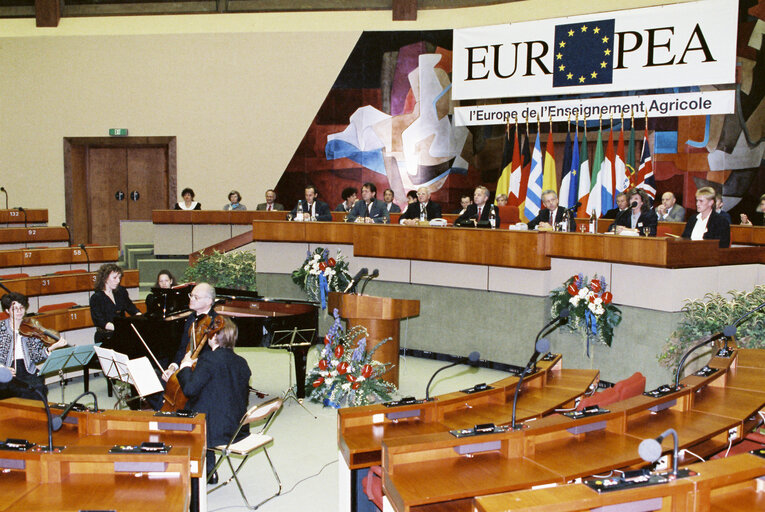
583 53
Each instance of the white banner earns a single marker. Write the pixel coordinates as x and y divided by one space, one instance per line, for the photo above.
670 46
653 105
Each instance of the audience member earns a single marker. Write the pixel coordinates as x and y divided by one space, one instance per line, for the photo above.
389 197
501 200
270 204
424 209
349 199
369 209
188 202
551 215
621 206
719 207
311 208
479 214
465 201
234 202
758 220
669 210
707 224
642 218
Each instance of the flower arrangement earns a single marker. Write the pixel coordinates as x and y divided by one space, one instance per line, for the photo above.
319 274
590 306
346 374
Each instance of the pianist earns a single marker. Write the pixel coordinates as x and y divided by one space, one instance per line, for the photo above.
111 300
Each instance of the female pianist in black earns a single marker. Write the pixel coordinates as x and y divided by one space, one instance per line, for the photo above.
21 348
109 302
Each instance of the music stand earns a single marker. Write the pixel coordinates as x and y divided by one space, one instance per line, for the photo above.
286 340
56 363
114 366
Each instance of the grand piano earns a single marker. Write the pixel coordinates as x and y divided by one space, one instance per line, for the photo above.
256 317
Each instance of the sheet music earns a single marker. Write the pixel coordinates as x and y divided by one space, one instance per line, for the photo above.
143 376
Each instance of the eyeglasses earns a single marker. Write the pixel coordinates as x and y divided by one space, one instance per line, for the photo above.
197 297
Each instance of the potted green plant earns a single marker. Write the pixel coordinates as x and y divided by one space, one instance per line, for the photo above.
234 269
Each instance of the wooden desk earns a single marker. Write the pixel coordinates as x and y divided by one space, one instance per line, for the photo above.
13 216
63 283
35 234
57 255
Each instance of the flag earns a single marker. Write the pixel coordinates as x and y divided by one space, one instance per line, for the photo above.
584 176
534 190
595 201
525 171
631 169
565 180
645 178
584 53
573 194
506 167
607 176
622 181
514 185
550 179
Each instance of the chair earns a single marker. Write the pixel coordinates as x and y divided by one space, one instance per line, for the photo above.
20 275
57 306
247 447
508 215
372 484
601 399
631 386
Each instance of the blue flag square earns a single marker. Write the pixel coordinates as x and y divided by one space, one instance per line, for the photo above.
583 53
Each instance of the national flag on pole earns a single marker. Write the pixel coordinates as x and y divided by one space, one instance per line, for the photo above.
607 176
631 169
622 181
506 167
573 193
584 176
595 201
565 180
550 179
525 172
645 178
534 191
514 186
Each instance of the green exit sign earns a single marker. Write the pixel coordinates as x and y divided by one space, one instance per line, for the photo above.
118 132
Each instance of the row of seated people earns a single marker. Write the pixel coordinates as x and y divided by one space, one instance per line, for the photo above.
234 202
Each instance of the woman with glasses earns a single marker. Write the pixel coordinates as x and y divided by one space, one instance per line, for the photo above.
109 301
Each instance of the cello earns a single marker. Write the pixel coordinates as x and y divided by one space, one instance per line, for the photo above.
200 332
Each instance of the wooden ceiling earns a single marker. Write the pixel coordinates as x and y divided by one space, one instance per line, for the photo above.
49 12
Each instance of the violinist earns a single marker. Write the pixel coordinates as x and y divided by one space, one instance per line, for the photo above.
22 347
201 301
217 386
109 301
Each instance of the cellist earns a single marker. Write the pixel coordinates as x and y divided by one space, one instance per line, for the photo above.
201 301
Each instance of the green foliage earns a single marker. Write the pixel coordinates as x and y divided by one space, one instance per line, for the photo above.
319 268
588 302
235 269
707 316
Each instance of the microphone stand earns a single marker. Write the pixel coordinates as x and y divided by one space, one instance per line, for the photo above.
540 347
473 357
375 273
69 408
82 246
68 232
21 209
2 189
53 424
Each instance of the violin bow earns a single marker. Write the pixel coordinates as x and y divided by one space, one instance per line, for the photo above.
147 348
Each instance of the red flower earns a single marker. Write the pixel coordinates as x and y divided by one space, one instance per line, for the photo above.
327 340
595 285
339 351
331 262
572 289
366 371
607 298
356 385
322 266
342 367
318 382
350 378
322 364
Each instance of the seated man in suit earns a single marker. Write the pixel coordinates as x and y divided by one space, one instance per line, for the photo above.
707 224
479 214
759 216
423 209
311 208
465 201
669 210
641 219
270 204
388 197
621 205
349 199
719 207
369 209
551 215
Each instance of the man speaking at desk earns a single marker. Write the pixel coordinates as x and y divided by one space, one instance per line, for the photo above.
479 214
311 208
550 216
423 209
369 209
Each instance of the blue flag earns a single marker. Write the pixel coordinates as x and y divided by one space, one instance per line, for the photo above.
584 53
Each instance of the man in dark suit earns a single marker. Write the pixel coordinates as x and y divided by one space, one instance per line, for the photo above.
551 215
707 224
369 209
201 301
621 206
479 214
311 207
423 209
218 387
388 197
270 204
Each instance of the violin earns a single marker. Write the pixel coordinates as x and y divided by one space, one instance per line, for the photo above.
200 331
31 328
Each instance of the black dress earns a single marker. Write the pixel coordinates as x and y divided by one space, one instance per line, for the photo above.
103 311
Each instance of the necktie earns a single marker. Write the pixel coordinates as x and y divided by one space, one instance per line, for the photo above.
269 208
480 209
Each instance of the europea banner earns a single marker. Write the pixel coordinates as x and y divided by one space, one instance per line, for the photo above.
675 45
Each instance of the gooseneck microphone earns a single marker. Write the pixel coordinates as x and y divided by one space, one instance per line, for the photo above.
87 256
553 324
2 189
727 332
68 233
650 449
473 358
57 425
54 423
375 273
22 210
540 347
355 279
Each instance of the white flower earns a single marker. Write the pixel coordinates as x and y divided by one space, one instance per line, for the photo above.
346 386
316 257
360 378
598 301
333 373
306 268
582 293
574 301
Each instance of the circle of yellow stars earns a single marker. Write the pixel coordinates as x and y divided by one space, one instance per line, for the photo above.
603 63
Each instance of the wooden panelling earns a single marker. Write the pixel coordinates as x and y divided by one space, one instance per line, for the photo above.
14 216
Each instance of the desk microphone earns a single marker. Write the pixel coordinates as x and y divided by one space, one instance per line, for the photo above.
473 358
540 347
375 273
58 424
553 324
21 209
633 204
82 246
650 449
68 232
2 189
355 280
53 423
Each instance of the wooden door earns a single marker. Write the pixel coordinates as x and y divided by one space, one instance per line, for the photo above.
106 175
146 181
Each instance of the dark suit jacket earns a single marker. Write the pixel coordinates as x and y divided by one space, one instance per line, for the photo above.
432 211
394 208
218 387
611 214
544 216
647 219
471 212
103 310
717 229
341 207
376 210
186 336
277 207
322 210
